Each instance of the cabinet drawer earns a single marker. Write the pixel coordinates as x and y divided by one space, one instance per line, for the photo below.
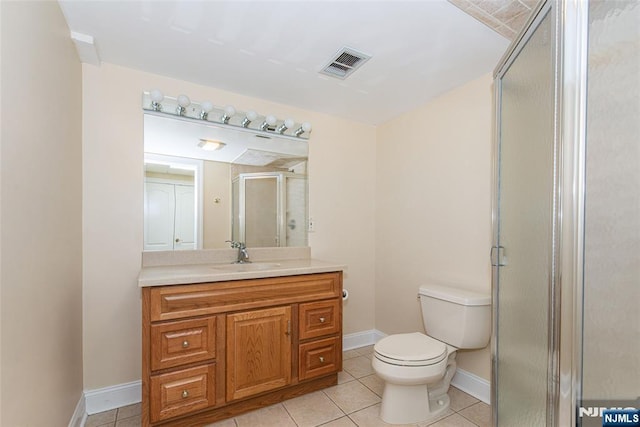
182 342
319 358
319 318
181 392
175 302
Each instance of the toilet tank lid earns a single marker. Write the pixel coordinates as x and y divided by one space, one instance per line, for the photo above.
455 294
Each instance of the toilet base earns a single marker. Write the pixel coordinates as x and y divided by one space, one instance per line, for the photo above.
406 403
403 404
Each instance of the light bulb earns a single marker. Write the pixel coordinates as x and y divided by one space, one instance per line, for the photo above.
229 111
285 125
156 98
206 107
156 95
304 127
184 101
249 117
268 121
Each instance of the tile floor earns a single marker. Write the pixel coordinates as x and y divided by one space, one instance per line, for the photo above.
355 401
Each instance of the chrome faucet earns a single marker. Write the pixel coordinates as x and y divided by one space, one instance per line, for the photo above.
243 255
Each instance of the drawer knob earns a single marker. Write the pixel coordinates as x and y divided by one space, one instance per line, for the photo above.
185 344
322 319
185 394
321 359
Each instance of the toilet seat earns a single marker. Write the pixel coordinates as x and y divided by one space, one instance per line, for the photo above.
414 349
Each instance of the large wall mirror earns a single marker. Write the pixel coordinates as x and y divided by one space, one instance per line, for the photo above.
206 183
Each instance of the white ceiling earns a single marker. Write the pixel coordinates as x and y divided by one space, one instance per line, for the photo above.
274 50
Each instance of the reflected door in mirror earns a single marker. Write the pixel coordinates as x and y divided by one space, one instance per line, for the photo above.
169 216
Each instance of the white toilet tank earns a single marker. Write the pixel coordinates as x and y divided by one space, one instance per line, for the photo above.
456 316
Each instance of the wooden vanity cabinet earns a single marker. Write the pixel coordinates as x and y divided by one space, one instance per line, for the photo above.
214 350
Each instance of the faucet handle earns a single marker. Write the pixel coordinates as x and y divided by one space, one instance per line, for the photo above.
236 245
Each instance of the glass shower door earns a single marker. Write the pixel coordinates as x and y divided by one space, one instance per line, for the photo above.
522 255
261 215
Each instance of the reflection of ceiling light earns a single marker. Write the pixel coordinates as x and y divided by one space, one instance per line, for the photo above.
210 144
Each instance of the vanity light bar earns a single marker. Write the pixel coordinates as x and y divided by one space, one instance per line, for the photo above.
181 106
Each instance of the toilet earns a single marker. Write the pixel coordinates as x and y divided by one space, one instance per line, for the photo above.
417 368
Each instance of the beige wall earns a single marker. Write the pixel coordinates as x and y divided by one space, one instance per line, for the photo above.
342 156
433 206
41 246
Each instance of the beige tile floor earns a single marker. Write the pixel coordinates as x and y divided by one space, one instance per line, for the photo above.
355 401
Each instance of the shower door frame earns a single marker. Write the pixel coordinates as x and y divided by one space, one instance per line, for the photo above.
564 368
280 203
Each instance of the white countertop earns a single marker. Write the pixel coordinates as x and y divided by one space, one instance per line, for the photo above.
160 275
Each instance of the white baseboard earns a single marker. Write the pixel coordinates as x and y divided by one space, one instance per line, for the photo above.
472 384
79 416
107 398
361 339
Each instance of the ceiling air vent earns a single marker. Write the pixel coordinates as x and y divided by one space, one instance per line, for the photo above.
345 62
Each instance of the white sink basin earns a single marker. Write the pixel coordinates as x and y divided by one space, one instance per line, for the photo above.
253 266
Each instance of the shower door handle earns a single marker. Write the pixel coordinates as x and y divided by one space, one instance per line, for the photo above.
498 259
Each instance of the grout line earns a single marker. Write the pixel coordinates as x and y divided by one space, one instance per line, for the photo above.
289 413
372 391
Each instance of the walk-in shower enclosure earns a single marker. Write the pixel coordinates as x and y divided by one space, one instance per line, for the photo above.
269 209
566 254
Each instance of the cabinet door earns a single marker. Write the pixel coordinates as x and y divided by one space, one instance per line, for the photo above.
258 351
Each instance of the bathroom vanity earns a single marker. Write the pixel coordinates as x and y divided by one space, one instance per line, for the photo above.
220 339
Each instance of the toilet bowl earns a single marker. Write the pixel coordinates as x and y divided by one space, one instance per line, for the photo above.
417 369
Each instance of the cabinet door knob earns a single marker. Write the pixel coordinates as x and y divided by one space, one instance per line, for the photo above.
321 359
185 344
177 240
185 394
322 319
